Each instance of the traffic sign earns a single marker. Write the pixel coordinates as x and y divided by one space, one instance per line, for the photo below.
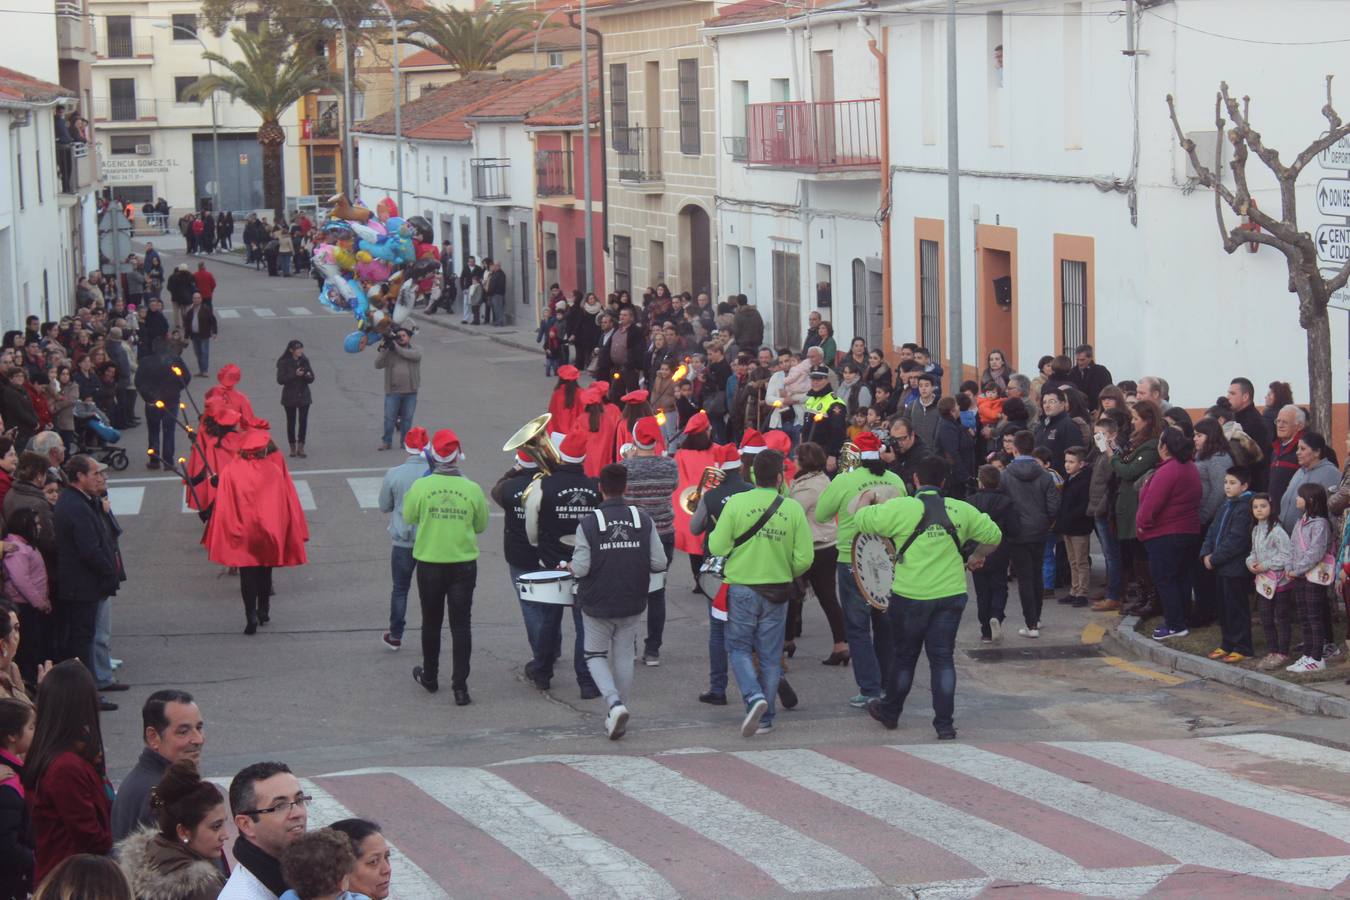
1333 196
1339 299
1337 156
1333 244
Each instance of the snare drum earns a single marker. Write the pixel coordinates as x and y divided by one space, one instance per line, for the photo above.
551 586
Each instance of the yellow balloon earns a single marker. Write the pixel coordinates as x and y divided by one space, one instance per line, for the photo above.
344 259
364 256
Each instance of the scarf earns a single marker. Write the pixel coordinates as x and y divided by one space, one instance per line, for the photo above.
265 868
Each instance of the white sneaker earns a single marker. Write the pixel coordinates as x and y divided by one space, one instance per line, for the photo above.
1028 632
996 630
1330 650
616 723
764 729
1306 664
750 724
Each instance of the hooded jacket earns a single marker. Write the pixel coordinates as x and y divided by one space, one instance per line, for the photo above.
1323 472
1229 538
1033 492
160 869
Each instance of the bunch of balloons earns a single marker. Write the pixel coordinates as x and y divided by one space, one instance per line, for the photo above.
373 265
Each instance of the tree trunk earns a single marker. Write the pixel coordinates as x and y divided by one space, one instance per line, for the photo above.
1318 327
274 191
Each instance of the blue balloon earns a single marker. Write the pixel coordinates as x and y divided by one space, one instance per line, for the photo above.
352 342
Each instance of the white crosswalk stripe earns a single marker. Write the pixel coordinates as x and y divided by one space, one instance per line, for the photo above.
263 312
300 310
578 862
1287 749
366 491
302 490
126 501
227 314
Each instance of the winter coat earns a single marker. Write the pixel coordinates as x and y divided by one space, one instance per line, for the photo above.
402 369
1073 518
1170 502
63 405
1212 471
70 809
1229 537
161 869
924 420
1035 496
295 376
181 286
1000 507
1129 469
131 808
88 569
1308 545
155 379
199 323
17 410
806 490
26 575
1323 473
1057 434
25 495
1270 547
16 835
1102 485
1283 466
955 445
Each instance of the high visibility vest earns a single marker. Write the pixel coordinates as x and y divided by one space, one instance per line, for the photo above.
819 406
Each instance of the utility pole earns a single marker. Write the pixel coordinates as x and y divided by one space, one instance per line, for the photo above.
955 338
398 109
346 106
586 148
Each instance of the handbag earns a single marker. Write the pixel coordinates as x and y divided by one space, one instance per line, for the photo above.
1324 572
1267 583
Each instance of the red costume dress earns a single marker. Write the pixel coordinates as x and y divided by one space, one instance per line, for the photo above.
257 519
227 395
564 415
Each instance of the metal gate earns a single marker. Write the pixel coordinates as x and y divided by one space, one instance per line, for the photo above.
1073 304
241 171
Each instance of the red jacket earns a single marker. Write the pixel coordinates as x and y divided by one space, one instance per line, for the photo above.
257 519
206 284
1170 502
71 812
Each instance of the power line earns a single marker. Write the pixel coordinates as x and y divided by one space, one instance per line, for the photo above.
1243 40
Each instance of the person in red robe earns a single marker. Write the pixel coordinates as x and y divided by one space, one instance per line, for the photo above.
635 408
779 440
565 404
227 394
214 443
696 453
601 421
257 523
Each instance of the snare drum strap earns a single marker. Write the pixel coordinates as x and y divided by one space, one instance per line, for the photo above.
600 518
934 513
763 520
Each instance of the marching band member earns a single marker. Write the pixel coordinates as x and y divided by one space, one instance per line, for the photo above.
702 522
449 512
565 405
552 513
826 418
865 628
600 421
651 480
521 557
695 454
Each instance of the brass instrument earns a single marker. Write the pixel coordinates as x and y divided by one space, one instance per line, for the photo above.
532 439
689 497
849 457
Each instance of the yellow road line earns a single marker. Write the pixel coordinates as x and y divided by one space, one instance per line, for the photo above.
1093 633
1134 669
1258 704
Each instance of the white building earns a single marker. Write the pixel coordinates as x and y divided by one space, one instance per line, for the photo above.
1065 237
798 168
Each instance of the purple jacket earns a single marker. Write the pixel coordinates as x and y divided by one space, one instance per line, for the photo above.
1170 502
26 576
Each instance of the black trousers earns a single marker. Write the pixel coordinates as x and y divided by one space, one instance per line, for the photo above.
1026 559
296 415
442 585
255 586
79 621
38 629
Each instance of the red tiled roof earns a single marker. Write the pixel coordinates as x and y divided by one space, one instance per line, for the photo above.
25 88
559 38
568 112
536 95
436 104
747 11
423 58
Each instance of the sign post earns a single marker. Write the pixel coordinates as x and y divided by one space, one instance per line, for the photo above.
114 240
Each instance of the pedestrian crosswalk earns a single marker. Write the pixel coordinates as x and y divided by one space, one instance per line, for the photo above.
1251 814
263 312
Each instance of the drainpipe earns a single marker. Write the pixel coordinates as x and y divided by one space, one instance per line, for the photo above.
604 140
887 323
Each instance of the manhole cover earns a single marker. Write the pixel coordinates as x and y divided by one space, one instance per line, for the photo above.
1021 654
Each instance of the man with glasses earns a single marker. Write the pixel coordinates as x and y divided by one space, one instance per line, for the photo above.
271 812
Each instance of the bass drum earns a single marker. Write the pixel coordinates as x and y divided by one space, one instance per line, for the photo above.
874 568
551 586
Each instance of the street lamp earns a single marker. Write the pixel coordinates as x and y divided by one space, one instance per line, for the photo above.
215 142
398 108
347 105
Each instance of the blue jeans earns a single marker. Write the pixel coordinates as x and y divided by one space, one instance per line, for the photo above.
1048 563
755 627
717 653
929 625
201 346
401 568
101 652
1115 575
398 410
656 603
867 633
1171 559
159 425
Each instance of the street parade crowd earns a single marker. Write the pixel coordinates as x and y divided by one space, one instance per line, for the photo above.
781 473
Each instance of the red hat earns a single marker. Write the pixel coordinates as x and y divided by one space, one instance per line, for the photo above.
727 456
869 445
229 375
698 423
573 449
569 373
525 460
227 417
778 440
257 439
445 446
635 397
646 433
752 442
262 424
416 440
595 394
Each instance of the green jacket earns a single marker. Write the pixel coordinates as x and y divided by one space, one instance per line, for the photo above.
778 553
841 492
933 567
450 512
1129 469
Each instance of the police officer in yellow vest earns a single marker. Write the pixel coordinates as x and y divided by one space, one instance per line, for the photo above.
826 417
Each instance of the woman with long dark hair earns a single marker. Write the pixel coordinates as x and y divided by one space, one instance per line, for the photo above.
1130 468
295 375
1168 524
65 774
1278 395
182 856
996 369
878 372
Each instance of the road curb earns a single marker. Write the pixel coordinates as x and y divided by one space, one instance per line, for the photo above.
1124 639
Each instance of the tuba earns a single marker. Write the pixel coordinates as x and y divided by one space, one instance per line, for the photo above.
712 476
849 458
532 439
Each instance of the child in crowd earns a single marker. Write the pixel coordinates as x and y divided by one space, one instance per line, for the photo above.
1101 500
550 334
970 419
1310 545
1224 552
990 404
319 866
857 424
1075 525
1049 565
17 719
875 419
883 399
685 404
991 578
1267 561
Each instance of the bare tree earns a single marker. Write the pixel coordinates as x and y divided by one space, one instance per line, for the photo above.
1280 230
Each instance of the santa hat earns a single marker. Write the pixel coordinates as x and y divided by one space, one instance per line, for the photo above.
869 445
445 446
752 442
698 423
727 457
525 461
635 397
778 440
646 433
256 439
569 373
573 449
416 441
595 393
229 375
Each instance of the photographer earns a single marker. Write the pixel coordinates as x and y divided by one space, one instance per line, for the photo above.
904 450
402 365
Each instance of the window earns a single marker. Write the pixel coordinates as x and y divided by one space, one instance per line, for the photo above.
122 105
253 22
623 262
358 106
787 296
930 300
180 85
780 90
118 30
618 106
690 130
555 59
1073 305
184 26
127 144
656 262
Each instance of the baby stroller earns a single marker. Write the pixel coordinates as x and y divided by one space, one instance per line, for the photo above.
97 437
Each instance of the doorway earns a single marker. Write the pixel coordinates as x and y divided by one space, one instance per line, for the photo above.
696 261
997 278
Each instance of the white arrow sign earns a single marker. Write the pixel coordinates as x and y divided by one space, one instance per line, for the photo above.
1333 196
1337 156
1333 244
1340 299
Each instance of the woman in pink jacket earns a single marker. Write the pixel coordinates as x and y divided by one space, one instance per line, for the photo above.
1168 525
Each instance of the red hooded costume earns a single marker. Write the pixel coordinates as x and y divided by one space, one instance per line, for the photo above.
257 519
227 395
601 449
691 464
564 414
210 454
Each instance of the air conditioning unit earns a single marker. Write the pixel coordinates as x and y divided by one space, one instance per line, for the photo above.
143 149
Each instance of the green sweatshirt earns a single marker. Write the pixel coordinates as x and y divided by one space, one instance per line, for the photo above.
933 568
778 553
449 512
841 492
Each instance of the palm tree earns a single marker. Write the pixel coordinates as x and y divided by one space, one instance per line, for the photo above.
270 77
470 41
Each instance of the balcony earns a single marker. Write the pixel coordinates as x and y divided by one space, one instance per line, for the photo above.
836 136
74 39
74 167
124 109
639 153
490 178
736 148
125 48
553 173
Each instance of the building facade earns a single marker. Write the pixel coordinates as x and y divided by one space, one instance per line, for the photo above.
78 169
